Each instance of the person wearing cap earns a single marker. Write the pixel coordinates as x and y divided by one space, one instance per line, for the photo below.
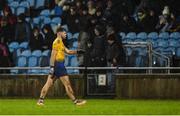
58 70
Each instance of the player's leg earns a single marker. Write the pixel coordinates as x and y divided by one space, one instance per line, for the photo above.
45 89
69 90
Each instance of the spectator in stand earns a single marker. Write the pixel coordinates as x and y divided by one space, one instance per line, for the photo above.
98 47
73 20
10 21
127 24
83 39
115 54
36 41
166 20
153 19
48 38
143 21
5 59
91 7
22 30
5 32
108 12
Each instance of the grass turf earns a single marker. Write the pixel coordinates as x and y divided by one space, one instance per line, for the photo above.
93 106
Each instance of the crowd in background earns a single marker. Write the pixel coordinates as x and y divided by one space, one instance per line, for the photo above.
98 23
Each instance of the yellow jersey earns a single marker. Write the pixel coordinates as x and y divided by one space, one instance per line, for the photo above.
58 45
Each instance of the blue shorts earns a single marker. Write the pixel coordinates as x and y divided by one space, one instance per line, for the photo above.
59 69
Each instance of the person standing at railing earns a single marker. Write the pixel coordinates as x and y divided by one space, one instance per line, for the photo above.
58 70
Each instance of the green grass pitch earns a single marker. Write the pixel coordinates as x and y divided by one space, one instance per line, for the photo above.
93 106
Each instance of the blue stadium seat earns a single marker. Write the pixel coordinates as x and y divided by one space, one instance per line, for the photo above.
131 36
122 36
178 52
36 53
36 21
56 20
75 36
13 46
21 62
45 12
164 35
44 62
23 45
175 35
173 43
26 53
142 36
73 63
46 20
153 36
75 44
46 53
14 4
31 3
162 43
10 1
69 35
20 10
25 4
33 62
40 3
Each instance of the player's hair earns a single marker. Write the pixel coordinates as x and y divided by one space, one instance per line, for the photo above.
60 29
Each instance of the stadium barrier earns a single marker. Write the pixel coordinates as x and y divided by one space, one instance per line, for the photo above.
136 84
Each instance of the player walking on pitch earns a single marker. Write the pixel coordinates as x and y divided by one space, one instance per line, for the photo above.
58 70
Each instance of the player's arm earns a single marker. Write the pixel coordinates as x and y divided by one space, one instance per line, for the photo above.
52 58
71 52
52 61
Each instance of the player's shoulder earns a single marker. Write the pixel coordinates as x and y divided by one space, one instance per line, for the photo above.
57 41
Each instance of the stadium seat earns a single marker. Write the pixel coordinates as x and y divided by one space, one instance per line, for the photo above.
24 45
75 44
164 35
45 12
69 35
20 10
13 46
14 4
31 3
46 20
162 43
33 62
74 62
44 62
40 3
25 4
175 35
173 43
178 52
75 36
22 62
142 36
46 53
36 21
26 53
36 53
10 1
153 36
131 36
56 20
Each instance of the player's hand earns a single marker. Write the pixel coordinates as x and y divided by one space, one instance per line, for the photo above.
80 51
51 71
